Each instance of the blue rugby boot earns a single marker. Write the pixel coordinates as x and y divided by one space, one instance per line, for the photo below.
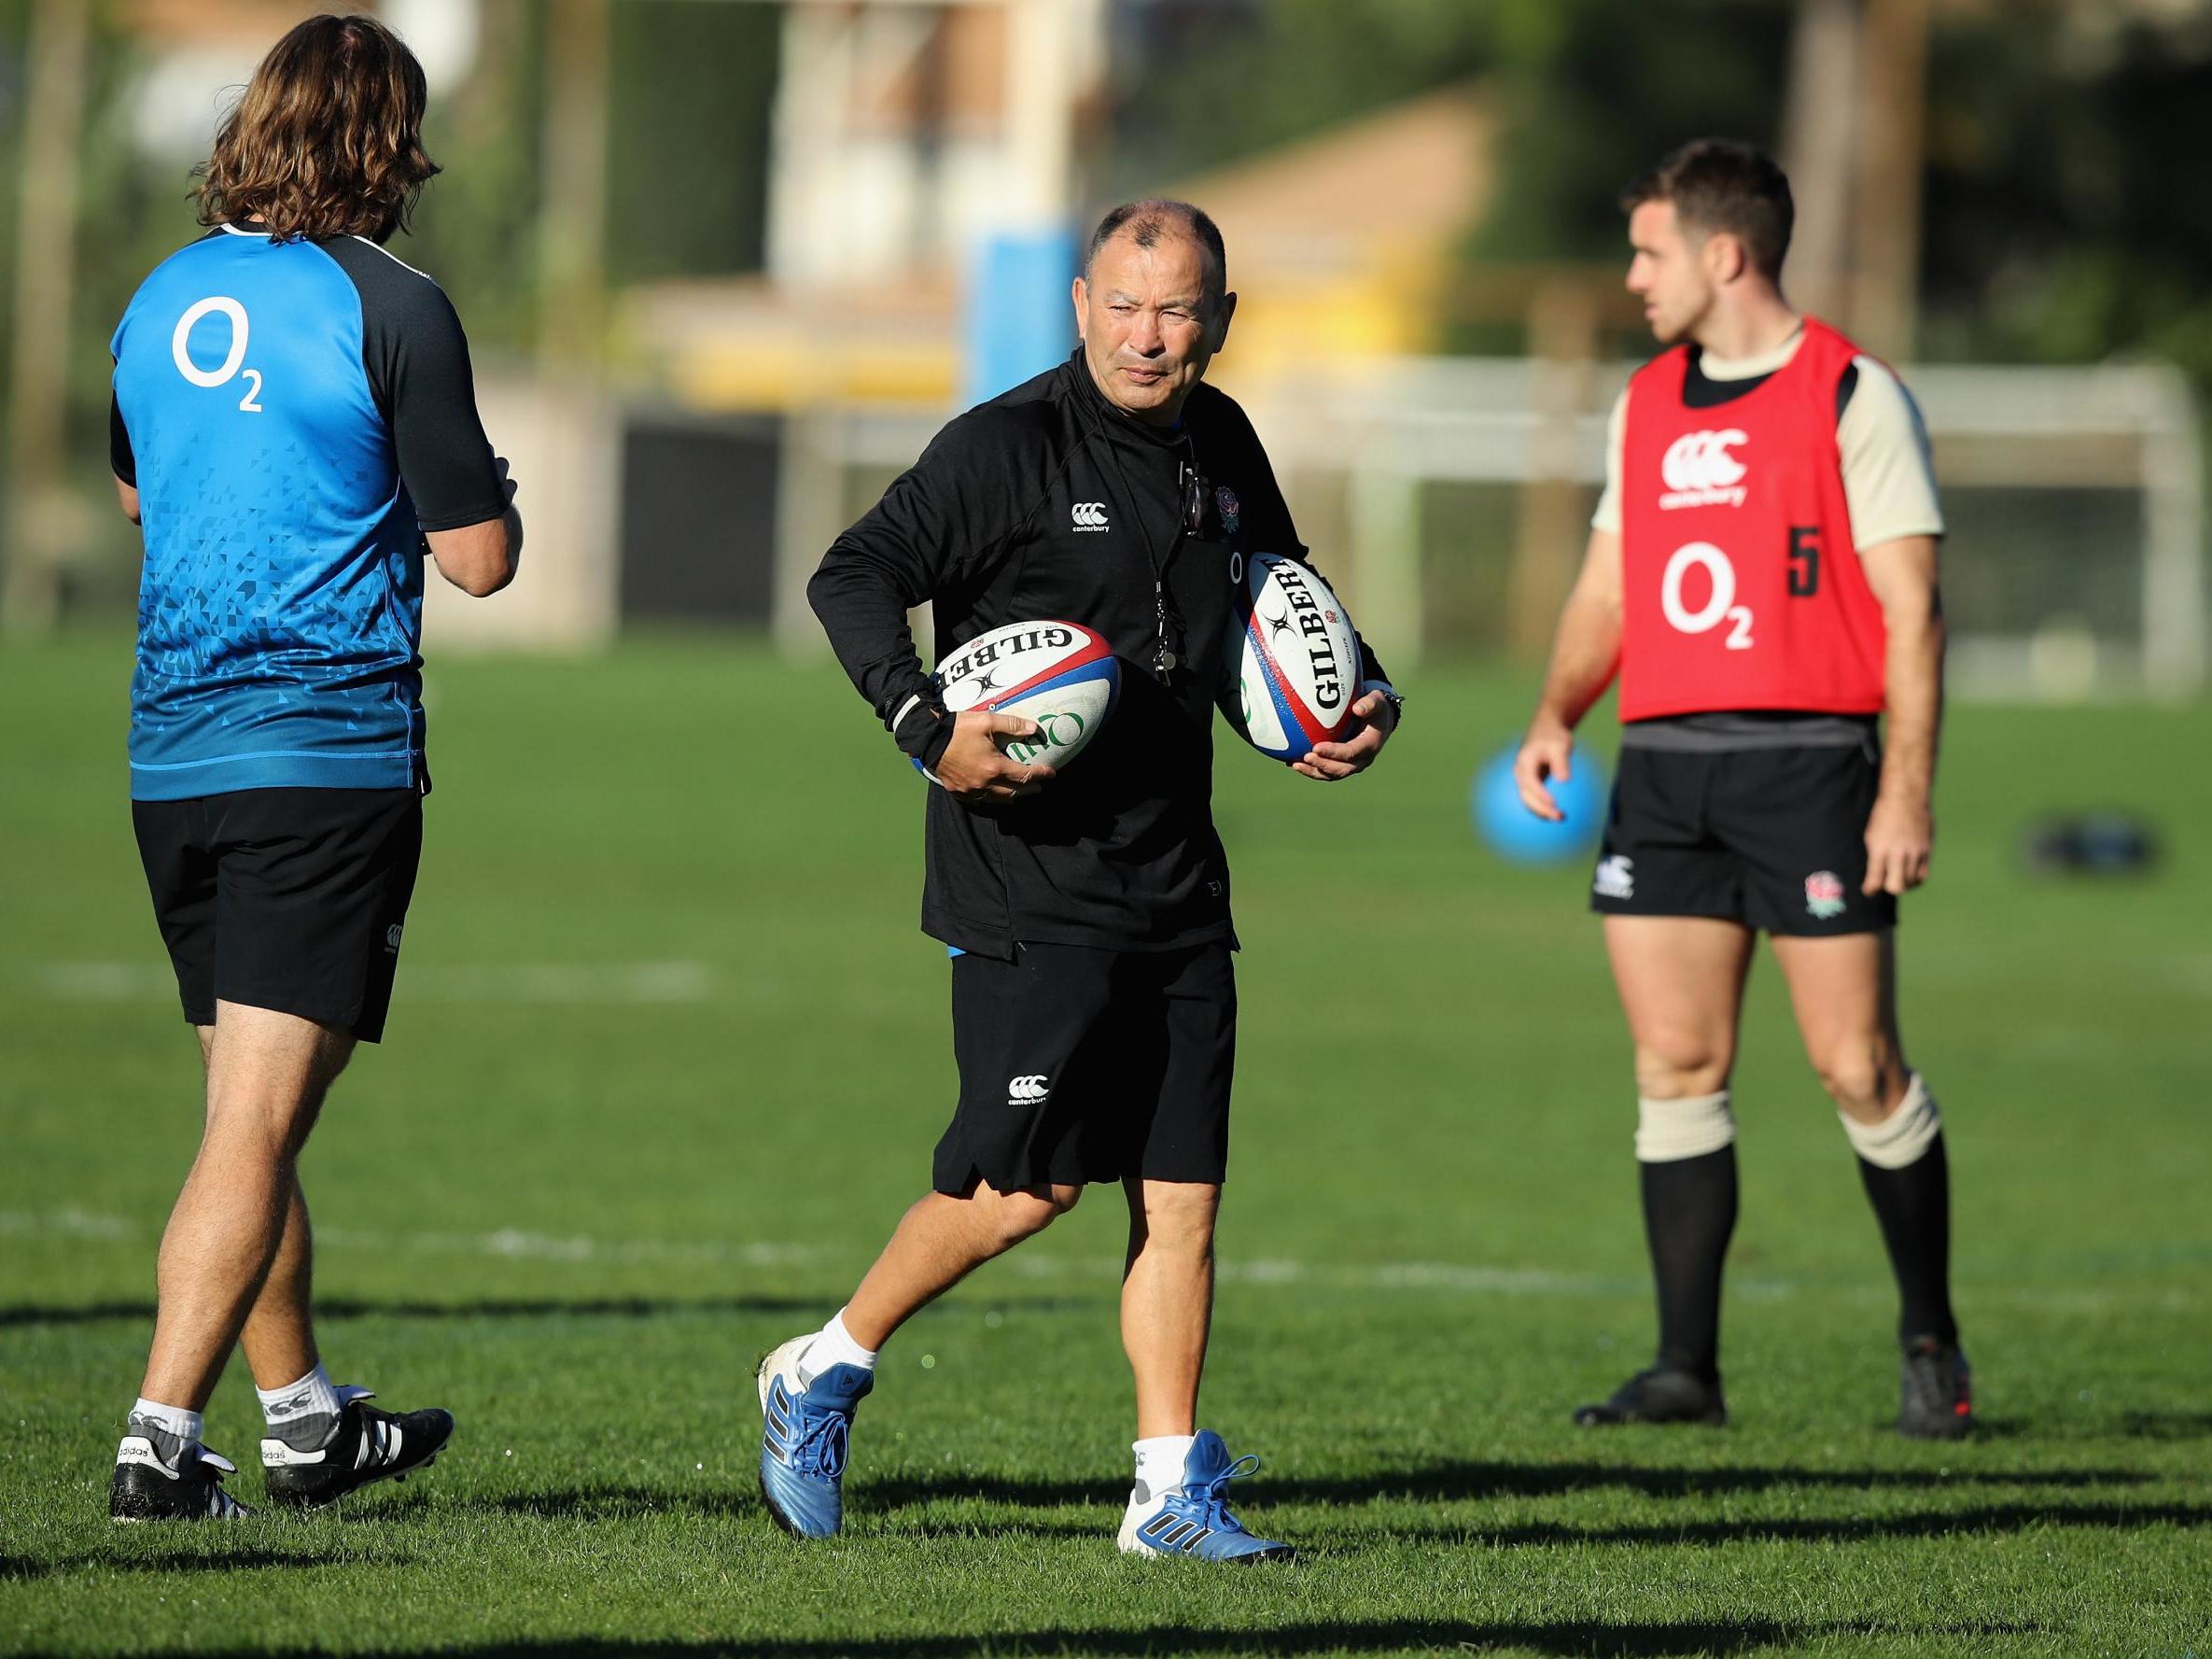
806 1422
1194 1519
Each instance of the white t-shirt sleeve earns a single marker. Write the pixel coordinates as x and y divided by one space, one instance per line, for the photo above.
1608 516
1889 477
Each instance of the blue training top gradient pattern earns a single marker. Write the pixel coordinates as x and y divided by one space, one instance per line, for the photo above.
280 610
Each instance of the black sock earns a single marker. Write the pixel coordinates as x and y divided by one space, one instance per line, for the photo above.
1690 1210
1914 1205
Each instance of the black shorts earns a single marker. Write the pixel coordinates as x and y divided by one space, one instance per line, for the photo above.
289 899
1774 838
1080 1064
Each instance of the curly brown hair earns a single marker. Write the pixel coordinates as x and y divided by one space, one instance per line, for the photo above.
327 139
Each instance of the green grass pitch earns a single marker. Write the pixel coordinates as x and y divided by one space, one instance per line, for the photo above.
668 1059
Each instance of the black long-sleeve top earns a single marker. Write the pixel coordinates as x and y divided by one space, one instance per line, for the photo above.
999 522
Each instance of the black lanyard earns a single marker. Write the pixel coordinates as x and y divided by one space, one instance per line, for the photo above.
1191 499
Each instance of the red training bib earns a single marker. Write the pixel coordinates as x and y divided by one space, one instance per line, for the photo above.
1741 587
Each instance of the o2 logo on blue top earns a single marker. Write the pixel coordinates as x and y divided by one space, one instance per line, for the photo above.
233 363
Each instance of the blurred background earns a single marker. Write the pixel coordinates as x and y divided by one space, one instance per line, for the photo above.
728 263
666 1052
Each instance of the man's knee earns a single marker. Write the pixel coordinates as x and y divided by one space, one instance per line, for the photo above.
280 1116
1179 1214
1682 1064
332 1058
1024 1214
1863 1077
267 1075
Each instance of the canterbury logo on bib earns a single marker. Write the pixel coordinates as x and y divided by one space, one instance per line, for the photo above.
1698 470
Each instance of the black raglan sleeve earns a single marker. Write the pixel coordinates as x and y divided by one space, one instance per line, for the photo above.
416 354
121 458
942 523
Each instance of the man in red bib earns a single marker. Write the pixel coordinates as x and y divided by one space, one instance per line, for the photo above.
1761 575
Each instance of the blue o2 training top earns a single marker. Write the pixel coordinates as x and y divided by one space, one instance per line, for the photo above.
293 415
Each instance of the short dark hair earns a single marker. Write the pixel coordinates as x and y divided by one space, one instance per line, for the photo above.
1718 184
1154 216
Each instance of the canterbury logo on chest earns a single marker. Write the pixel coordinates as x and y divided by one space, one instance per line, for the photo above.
1087 516
1698 470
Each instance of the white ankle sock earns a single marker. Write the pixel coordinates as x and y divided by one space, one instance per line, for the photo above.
178 1425
834 1345
1159 1465
312 1396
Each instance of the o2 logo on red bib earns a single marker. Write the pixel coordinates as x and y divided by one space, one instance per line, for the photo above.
1720 597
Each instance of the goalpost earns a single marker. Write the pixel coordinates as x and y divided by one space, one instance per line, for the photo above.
2074 565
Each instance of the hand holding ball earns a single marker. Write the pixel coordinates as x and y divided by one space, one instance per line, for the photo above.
1292 660
1026 699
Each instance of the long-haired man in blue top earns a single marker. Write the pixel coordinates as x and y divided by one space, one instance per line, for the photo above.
294 426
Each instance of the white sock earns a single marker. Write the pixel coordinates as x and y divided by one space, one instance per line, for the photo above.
1159 1465
834 1345
296 1403
174 1427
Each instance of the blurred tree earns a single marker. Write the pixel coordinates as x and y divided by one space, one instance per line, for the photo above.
2062 217
1593 92
1597 92
476 228
2067 216
688 172
1199 83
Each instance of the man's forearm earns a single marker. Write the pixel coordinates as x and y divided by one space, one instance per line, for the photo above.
1584 655
863 613
1914 695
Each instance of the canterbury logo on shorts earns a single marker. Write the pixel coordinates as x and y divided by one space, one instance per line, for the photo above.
1034 1087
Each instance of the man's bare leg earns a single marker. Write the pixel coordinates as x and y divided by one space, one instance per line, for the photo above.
1178 1502
1681 982
940 1241
279 1334
1844 990
1167 1300
1845 993
810 1386
266 1073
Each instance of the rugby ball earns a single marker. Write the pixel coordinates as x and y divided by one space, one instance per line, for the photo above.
1292 661
1060 674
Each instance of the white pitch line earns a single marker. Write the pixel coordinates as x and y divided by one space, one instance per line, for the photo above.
514 1244
1457 1278
527 983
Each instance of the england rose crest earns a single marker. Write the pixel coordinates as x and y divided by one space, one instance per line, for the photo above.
1824 895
